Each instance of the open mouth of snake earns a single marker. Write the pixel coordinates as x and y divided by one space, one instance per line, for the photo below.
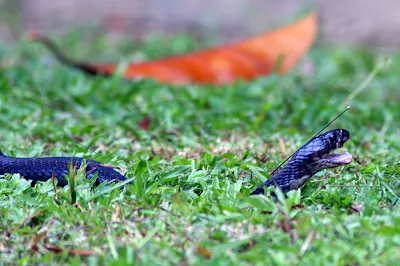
337 159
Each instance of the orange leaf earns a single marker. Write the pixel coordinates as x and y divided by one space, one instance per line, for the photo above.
204 252
145 123
246 59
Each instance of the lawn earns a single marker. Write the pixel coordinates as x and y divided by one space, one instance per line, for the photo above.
205 149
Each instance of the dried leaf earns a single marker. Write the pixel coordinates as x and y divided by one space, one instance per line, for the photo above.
356 207
204 252
248 59
145 123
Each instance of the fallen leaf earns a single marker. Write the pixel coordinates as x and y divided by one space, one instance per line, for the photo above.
277 50
356 207
204 252
144 123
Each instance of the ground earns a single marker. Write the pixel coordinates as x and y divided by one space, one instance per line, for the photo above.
193 167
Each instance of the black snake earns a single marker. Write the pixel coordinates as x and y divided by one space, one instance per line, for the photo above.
44 168
313 157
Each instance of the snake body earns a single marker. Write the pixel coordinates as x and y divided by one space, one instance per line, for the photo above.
314 156
44 168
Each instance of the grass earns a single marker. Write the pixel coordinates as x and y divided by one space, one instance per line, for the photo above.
193 169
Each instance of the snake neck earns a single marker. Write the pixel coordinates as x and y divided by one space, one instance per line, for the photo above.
291 177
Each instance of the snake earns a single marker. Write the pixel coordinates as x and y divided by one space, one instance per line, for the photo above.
312 157
45 168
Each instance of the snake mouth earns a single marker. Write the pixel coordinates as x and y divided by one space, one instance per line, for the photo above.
334 160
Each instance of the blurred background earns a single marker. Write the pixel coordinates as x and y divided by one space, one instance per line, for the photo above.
357 22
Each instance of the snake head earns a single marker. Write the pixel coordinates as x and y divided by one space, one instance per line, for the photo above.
318 152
